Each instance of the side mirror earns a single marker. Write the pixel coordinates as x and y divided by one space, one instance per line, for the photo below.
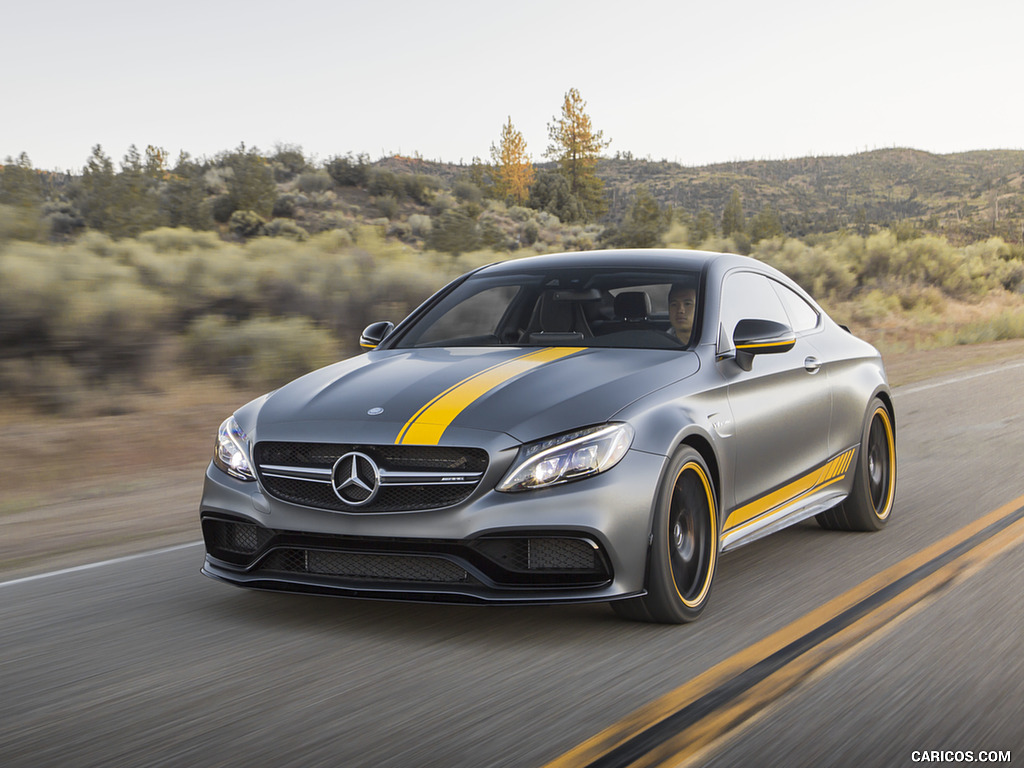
760 337
374 334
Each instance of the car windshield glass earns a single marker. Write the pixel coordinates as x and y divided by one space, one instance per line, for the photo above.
586 308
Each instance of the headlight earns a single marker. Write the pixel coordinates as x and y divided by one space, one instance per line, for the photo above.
231 452
568 457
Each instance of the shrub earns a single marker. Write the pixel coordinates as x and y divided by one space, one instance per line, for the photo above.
285 228
49 383
285 206
264 351
246 224
349 171
468 192
221 208
530 232
386 183
179 239
420 225
315 181
421 188
454 232
387 205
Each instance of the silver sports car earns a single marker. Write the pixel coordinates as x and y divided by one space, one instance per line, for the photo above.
577 427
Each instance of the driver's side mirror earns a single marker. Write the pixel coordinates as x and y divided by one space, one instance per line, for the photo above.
374 334
760 337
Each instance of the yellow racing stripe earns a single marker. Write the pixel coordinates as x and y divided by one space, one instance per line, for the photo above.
832 472
429 422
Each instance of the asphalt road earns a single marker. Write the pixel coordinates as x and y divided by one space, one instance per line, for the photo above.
144 662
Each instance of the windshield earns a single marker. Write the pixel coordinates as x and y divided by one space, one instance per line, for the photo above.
584 308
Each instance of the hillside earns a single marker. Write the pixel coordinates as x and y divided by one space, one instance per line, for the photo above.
966 196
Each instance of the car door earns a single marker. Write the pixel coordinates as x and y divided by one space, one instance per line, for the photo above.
781 407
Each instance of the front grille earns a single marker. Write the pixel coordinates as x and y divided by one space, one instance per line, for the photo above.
413 477
377 568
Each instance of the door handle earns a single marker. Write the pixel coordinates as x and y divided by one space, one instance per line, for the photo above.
812 364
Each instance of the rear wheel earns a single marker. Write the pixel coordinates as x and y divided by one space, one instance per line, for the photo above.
869 504
684 550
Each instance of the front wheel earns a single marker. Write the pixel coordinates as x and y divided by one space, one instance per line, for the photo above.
869 504
684 550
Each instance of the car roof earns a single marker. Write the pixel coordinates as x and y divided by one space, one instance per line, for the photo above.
646 258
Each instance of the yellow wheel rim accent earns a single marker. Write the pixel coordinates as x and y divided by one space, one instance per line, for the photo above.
890 446
712 539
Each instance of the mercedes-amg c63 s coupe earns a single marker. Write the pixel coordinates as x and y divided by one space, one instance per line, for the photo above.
577 427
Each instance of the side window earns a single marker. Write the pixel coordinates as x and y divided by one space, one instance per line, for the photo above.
802 316
748 295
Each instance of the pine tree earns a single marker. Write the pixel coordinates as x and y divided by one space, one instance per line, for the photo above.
97 189
765 224
576 147
19 182
732 218
644 223
512 172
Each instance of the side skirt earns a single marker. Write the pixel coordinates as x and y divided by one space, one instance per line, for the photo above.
815 492
780 519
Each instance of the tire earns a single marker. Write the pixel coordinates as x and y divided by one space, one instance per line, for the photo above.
869 505
684 550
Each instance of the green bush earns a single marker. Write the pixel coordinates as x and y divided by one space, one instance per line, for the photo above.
179 240
387 205
420 225
221 207
245 224
263 351
315 181
349 171
285 228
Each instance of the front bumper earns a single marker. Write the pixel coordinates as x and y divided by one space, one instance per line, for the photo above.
579 542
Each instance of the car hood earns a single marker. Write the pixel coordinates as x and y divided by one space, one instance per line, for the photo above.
432 396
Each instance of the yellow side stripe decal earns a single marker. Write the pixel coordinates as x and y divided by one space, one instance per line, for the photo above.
429 422
832 472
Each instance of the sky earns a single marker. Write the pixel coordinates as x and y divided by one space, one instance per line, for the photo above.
690 82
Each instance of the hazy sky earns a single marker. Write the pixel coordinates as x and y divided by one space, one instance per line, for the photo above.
694 82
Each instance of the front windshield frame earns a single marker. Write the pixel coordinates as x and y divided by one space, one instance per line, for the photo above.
587 294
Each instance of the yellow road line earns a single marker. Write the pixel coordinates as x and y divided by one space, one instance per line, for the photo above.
861 611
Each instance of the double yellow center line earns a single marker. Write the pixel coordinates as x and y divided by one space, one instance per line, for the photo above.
679 727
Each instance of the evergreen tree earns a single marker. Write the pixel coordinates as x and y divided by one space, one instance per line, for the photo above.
703 228
183 198
20 183
766 224
576 147
251 186
97 190
512 173
732 218
644 223
550 192
135 195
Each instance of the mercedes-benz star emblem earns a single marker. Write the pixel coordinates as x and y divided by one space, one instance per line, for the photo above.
355 479
377 411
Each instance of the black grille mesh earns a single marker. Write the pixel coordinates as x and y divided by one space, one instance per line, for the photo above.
541 554
378 568
395 458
